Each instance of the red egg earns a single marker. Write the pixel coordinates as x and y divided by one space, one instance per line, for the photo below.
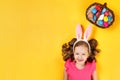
98 7
106 13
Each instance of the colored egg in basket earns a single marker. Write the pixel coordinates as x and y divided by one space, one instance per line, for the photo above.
100 15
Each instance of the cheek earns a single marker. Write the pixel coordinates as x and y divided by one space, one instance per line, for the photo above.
86 56
75 56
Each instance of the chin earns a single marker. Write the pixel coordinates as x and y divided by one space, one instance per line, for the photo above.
80 62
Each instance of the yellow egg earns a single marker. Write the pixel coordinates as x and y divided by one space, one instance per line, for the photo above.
105 18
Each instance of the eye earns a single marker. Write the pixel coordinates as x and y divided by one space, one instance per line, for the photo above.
77 53
83 53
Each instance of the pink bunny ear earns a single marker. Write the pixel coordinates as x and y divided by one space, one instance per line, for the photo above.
88 32
78 32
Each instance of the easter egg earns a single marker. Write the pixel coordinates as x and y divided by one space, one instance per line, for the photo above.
106 13
98 7
105 19
94 17
100 15
105 24
100 22
94 11
90 15
109 18
103 11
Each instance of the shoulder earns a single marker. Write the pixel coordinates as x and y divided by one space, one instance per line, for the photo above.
91 65
68 65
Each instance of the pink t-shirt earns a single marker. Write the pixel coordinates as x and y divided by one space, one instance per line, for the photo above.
79 74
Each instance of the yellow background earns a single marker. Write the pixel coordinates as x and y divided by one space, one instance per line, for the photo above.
32 32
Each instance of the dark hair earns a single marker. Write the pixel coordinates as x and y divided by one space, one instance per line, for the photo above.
67 49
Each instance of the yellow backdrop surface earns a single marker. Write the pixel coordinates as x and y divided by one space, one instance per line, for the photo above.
33 31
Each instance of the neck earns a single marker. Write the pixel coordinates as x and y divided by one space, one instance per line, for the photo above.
80 66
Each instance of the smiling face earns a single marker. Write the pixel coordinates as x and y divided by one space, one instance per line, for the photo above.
81 53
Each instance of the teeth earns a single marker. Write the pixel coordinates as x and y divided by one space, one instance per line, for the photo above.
80 60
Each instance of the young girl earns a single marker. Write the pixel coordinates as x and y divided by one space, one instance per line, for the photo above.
79 55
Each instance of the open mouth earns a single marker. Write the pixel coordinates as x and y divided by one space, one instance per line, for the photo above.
80 60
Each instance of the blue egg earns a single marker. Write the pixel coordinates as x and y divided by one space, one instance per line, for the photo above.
109 18
94 17
100 22
94 11
104 9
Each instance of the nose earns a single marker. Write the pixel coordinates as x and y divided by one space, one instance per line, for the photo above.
80 56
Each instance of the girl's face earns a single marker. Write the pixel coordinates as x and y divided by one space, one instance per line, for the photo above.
81 54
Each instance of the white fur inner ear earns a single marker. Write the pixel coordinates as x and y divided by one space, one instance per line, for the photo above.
78 32
88 32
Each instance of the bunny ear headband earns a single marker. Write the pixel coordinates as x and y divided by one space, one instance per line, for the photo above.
86 35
